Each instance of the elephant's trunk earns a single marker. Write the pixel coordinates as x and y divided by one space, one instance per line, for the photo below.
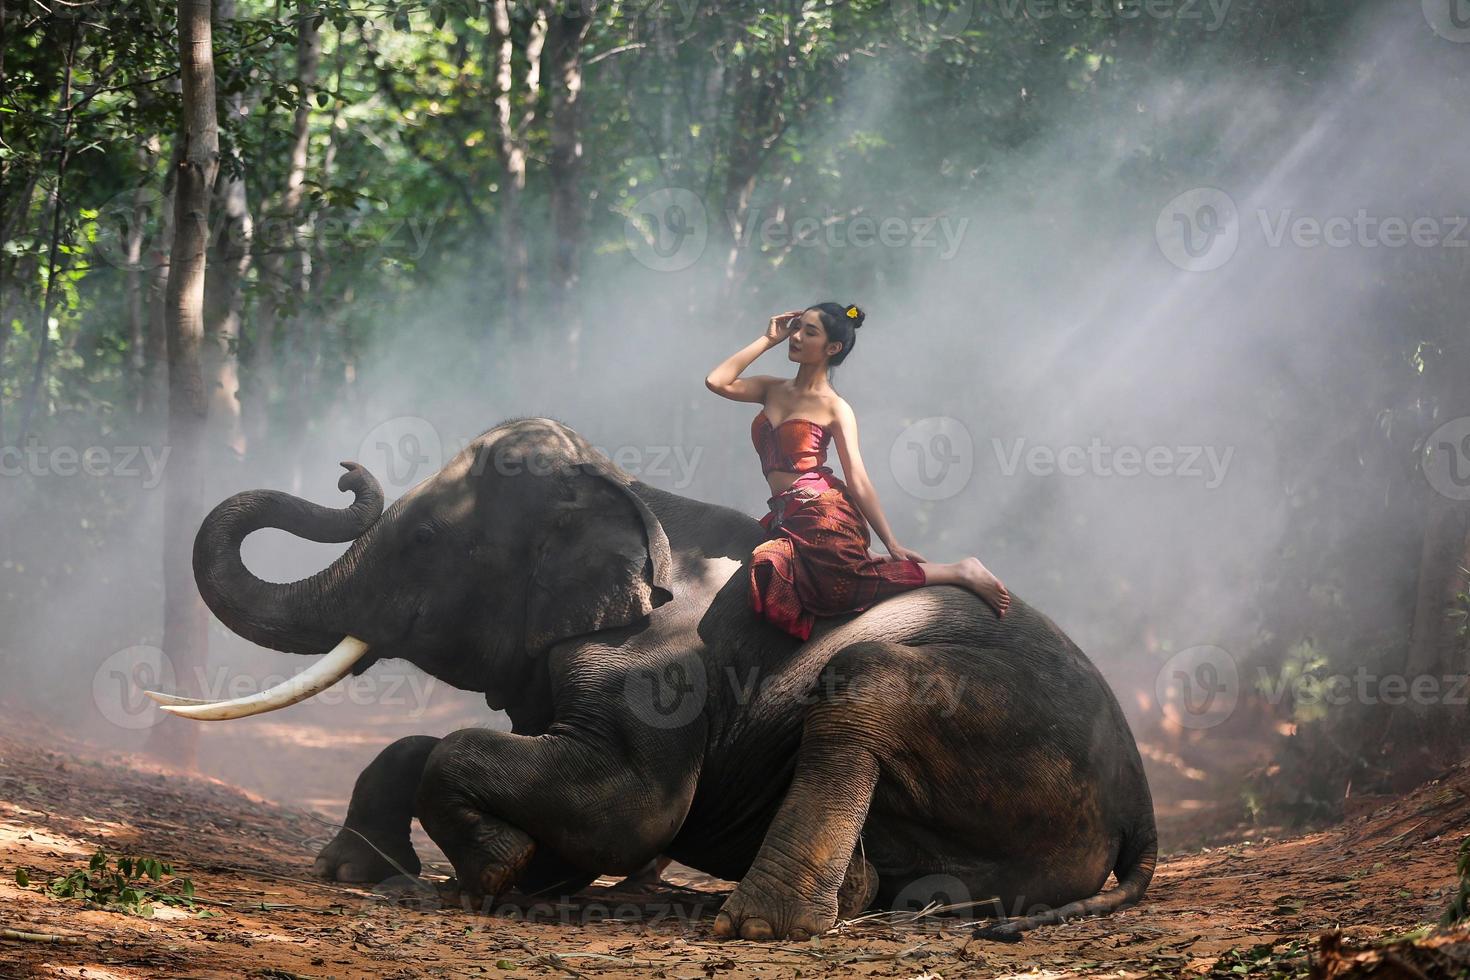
297 617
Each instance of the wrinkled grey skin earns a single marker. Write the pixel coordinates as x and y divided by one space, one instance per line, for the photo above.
654 713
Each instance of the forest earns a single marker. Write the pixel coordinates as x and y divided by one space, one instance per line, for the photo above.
244 240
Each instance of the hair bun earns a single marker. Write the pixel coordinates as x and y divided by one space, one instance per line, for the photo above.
856 315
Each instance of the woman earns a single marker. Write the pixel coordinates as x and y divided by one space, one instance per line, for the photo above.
815 561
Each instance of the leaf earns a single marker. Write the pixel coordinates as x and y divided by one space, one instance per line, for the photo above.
21 878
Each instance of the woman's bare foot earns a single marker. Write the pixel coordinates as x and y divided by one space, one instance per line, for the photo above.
982 581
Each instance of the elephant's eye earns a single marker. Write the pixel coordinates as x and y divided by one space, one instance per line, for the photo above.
423 534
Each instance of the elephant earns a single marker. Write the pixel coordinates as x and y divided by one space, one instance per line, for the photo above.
922 749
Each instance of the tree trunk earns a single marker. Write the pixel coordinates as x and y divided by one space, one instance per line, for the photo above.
155 343
756 127
138 278
135 294
325 343
185 617
510 148
224 301
281 263
566 33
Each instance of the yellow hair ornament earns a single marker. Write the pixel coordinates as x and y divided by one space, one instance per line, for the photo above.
852 312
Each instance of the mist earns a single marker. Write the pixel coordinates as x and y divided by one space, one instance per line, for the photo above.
1050 377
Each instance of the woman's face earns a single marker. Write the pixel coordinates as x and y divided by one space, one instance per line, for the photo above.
808 342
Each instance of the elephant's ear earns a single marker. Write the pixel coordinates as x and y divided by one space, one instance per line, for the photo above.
604 561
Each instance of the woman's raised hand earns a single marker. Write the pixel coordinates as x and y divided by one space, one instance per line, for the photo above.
781 326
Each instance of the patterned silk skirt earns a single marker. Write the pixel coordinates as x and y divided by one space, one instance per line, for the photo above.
815 560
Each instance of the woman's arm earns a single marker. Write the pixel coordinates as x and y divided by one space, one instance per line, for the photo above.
725 379
844 431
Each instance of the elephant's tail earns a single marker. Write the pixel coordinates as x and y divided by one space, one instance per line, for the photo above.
1135 869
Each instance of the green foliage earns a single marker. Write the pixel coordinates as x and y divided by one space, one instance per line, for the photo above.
403 103
1459 907
132 885
1301 671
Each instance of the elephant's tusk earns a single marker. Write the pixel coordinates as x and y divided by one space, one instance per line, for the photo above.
162 698
313 680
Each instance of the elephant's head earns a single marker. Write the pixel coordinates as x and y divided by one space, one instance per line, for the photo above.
527 537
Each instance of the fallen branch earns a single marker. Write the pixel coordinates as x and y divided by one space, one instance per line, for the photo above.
38 937
905 917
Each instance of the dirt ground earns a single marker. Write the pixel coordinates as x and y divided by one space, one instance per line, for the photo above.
1251 907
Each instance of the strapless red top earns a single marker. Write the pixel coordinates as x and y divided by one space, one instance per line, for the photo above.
796 445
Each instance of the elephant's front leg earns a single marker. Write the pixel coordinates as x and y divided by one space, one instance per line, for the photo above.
498 804
809 872
374 844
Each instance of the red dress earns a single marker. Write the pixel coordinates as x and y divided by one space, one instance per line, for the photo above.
815 561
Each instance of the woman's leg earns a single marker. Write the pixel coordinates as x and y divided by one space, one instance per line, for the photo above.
970 573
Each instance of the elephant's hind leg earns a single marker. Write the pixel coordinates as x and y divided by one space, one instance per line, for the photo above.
374 843
807 873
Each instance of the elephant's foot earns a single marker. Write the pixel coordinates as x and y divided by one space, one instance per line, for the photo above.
364 856
374 845
489 856
764 907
